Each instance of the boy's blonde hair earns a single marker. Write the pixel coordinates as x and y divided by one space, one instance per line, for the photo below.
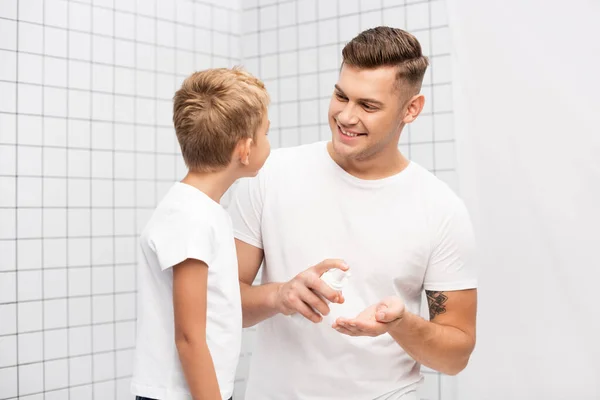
215 109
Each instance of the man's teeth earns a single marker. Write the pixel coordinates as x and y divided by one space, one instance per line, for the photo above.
348 133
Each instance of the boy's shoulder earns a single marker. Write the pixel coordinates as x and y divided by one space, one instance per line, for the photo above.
183 208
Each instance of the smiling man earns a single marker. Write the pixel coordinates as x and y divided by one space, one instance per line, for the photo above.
359 204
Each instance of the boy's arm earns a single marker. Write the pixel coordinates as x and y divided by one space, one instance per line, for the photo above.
189 304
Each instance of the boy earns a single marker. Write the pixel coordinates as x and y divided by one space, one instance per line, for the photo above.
189 312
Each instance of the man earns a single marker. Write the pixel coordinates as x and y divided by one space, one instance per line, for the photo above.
359 204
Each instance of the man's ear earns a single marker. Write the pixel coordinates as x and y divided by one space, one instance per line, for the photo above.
414 108
244 148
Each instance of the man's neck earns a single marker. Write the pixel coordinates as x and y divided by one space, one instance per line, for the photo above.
381 165
213 184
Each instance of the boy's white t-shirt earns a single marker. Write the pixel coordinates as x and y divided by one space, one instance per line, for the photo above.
399 235
186 224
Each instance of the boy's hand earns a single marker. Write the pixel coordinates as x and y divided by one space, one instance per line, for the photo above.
301 293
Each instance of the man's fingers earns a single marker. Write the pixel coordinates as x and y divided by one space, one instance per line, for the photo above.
328 264
307 312
310 298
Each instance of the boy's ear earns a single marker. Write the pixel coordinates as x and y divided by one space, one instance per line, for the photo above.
245 146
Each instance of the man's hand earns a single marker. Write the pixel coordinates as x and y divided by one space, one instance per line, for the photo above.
301 294
374 320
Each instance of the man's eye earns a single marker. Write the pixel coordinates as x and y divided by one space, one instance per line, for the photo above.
341 97
369 107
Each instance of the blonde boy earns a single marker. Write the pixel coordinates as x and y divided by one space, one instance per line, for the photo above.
189 311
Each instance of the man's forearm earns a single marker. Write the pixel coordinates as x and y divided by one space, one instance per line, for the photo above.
443 348
258 302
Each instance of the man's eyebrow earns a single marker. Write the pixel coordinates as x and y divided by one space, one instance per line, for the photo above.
372 101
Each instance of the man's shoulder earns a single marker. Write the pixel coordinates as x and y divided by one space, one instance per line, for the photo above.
436 191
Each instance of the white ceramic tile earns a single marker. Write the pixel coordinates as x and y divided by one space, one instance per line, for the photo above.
81 392
125 220
29 99
55 314
417 16
129 5
221 44
79 193
443 98
29 254
57 394
124 193
104 366
30 223
7 191
79 311
441 41
29 285
268 17
145 112
124 25
8 316
80 45
328 58
307 10
55 283
309 112
30 130
288 89
30 38
55 74
327 32
146 56
31 347
80 340
8 129
30 316
30 67
102 107
421 130
8 9
165 33
55 162
439 14
56 45
104 390
395 17
7 228
78 222
102 222
102 136
55 102
124 112
56 13
124 52
184 37
165 60
289 115
8 100
103 50
125 249
444 126
102 251
104 309
55 253
102 280
79 252
31 378
371 19
79 104
56 375
287 39
203 15
445 156
422 154
250 20
8 159
80 16
125 334
327 9
8 34
8 351
307 35
145 192
125 278
308 86
249 47
8 249
424 39
79 74
8 382
185 60
184 12
145 29
103 21
124 363
103 338
79 133
327 81
102 193
80 369
102 164
221 20
78 163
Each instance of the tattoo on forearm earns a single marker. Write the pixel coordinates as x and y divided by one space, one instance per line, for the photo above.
436 302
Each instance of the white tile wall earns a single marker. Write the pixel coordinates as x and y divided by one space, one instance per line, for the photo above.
298 55
86 150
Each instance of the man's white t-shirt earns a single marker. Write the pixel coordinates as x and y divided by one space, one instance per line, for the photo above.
186 224
399 235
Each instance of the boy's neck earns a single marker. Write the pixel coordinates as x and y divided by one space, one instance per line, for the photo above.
212 184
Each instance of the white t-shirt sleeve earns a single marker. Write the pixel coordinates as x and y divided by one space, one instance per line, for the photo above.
245 209
184 239
451 264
